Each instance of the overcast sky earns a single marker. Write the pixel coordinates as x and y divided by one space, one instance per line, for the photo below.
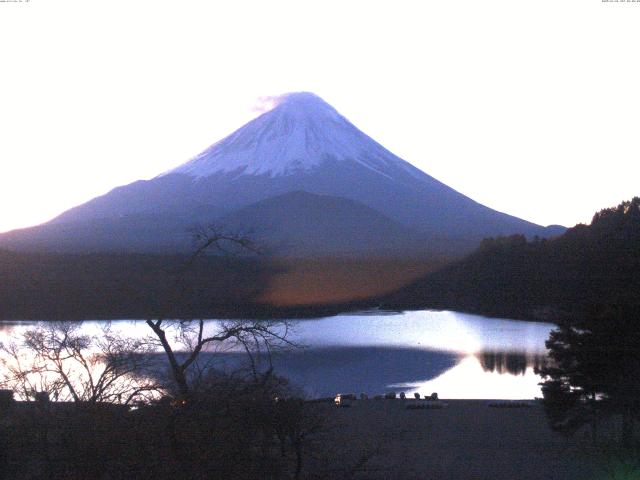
529 107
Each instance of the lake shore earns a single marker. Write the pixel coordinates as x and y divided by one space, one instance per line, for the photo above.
467 439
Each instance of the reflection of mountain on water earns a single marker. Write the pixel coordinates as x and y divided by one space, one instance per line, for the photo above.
326 371
515 363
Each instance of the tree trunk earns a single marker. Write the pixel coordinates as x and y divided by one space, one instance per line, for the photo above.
177 369
183 386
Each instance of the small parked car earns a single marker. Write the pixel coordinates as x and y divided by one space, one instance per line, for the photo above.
345 399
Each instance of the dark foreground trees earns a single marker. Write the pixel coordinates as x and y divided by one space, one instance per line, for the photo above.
232 429
595 371
203 422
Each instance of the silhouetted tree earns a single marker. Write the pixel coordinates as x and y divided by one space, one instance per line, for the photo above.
596 369
189 336
201 406
184 341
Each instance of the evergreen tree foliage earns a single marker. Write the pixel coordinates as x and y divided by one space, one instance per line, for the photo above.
544 279
595 370
596 355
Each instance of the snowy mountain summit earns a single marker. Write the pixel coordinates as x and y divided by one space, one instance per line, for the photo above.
300 133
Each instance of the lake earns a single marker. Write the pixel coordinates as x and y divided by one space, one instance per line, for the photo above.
454 354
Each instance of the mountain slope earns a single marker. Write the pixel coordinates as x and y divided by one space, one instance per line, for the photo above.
297 223
303 144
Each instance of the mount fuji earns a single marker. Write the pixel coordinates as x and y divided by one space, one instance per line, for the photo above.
302 178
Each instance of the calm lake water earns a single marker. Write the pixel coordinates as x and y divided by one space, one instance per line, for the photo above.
454 354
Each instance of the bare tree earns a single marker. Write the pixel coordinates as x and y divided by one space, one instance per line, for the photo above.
213 237
184 340
58 358
189 340
217 403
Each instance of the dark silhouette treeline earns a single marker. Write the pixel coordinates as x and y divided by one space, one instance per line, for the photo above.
105 286
540 279
63 286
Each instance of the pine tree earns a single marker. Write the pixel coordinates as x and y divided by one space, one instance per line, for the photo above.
595 371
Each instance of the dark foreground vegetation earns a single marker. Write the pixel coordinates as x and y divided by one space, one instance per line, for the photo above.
106 286
594 373
233 429
107 406
249 435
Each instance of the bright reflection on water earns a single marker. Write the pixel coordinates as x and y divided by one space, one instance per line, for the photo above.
457 355
469 380
444 331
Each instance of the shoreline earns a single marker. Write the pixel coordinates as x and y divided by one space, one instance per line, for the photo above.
467 439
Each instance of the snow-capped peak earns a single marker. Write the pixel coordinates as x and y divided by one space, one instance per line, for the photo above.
299 133
305 105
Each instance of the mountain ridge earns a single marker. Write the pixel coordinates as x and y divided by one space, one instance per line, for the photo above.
295 223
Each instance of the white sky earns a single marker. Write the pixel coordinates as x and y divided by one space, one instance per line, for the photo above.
530 107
